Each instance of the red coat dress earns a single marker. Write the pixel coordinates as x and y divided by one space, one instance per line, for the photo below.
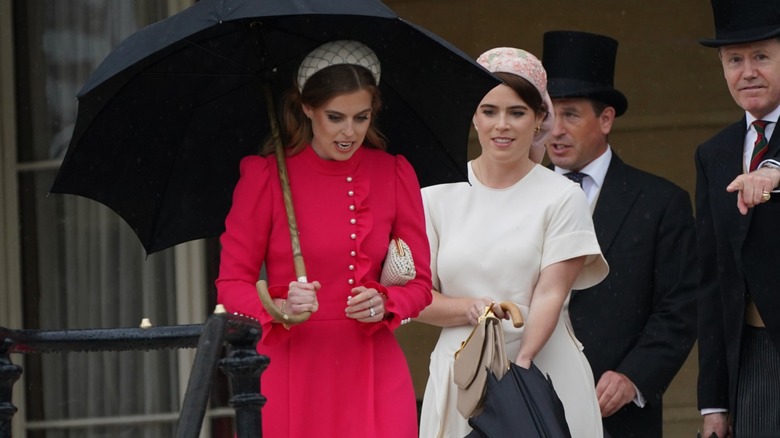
329 376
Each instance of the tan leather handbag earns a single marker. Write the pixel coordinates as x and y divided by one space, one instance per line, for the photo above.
484 350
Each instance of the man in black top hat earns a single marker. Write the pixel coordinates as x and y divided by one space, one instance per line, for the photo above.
737 218
638 325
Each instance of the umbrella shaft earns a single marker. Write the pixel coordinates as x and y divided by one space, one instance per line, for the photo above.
284 180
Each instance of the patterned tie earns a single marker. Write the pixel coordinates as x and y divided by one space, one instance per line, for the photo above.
760 146
576 177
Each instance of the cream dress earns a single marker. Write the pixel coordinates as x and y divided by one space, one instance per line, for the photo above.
489 242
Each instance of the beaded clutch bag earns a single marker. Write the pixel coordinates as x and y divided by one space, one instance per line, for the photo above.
398 267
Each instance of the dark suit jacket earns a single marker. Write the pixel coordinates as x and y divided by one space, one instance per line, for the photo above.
739 255
641 320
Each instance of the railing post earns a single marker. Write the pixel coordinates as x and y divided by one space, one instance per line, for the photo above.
9 374
196 398
243 366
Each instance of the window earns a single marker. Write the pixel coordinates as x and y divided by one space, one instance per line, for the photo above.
81 266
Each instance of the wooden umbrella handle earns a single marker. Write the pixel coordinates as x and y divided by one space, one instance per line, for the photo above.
284 180
514 312
276 314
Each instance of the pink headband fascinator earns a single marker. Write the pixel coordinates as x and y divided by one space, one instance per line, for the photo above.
528 67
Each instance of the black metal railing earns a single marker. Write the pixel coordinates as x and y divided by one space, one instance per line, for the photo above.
241 363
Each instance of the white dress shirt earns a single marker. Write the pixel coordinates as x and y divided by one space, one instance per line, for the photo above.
751 135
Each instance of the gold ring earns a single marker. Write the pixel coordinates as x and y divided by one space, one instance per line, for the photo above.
766 196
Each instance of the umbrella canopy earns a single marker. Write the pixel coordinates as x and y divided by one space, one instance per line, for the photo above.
165 119
523 403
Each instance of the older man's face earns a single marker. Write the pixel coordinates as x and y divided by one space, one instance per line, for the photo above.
752 72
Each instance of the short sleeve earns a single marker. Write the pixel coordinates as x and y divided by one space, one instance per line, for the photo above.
570 234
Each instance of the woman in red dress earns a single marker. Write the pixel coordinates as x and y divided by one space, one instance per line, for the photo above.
341 373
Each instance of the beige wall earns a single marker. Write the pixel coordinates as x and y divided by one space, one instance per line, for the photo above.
676 93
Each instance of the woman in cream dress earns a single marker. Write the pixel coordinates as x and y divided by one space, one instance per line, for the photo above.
515 232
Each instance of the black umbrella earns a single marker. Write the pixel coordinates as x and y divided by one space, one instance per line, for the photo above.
165 119
523 403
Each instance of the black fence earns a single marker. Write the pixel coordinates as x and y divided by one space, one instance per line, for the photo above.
240 363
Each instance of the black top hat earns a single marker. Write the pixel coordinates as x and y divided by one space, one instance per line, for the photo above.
582 65
743 21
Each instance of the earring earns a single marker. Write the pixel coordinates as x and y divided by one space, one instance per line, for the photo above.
537 129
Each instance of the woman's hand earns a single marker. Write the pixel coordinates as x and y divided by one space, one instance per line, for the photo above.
301 297
477 309
366 305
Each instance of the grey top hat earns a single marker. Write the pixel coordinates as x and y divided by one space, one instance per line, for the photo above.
743 21
582 65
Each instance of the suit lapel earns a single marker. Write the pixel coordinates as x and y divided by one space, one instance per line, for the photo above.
732 149
615 200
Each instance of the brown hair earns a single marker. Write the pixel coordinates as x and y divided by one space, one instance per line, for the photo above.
321 87
525 90
598 106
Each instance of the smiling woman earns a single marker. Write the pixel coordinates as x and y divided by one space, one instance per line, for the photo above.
506 126
481 254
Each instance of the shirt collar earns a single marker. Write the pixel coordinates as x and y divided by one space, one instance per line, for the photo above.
771 117
596 169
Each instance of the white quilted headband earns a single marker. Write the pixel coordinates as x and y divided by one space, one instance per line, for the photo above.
338 52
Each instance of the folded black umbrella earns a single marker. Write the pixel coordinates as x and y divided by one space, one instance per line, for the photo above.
523 403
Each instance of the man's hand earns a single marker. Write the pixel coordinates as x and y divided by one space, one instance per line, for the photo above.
752 186
716 423
614 391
